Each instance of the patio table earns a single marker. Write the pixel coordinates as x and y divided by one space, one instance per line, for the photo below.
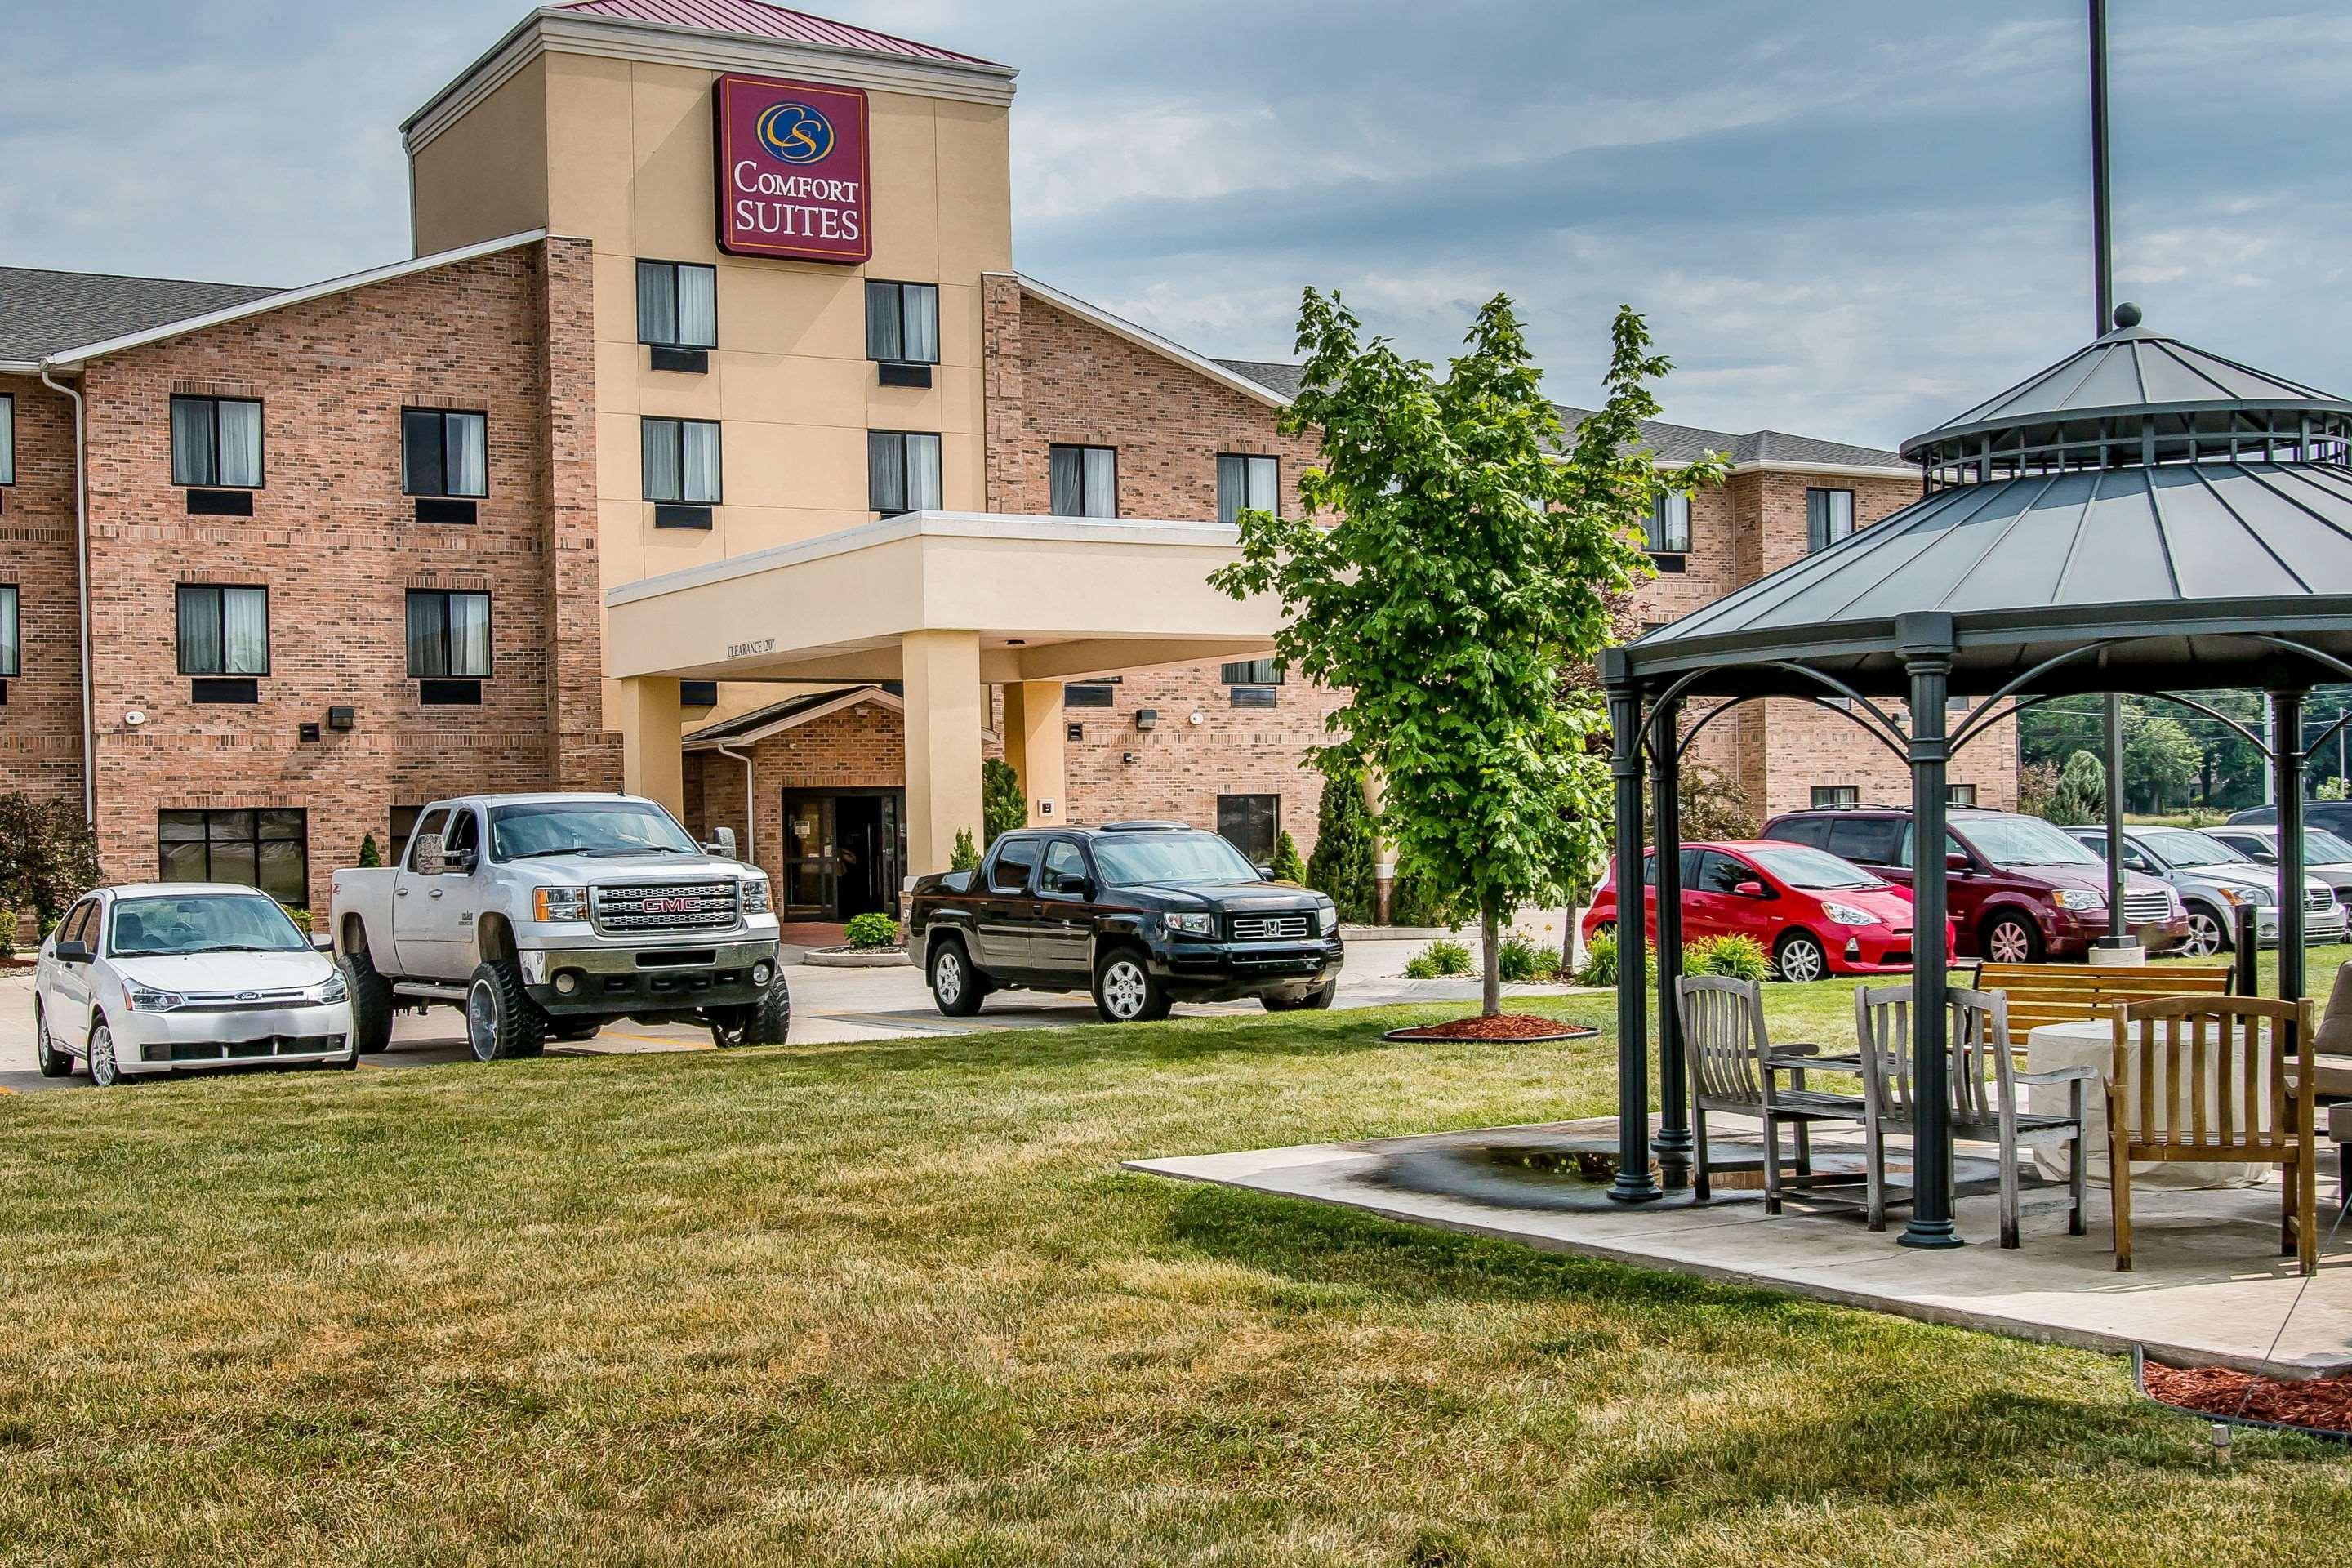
2091 1042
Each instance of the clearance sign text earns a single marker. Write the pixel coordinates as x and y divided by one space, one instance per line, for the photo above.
792 172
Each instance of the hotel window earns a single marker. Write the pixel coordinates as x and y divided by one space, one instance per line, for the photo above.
7 438
902 322
1246 484
1828 795
222 631
682 470
678 305
1829 516
1250 682
268 849
1085 480
902 471
1960 795
1250 822
216 442
448 636
697 694
11 643
1089 694
444 453
1669 531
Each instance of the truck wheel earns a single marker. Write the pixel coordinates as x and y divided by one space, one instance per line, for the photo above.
766 1022
371 1002
956 987
54 1062
1126 991
2011 939
501 1021
1314 1001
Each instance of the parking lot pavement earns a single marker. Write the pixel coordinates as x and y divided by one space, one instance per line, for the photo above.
828 1005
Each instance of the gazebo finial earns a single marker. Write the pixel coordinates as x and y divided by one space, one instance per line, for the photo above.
2128 315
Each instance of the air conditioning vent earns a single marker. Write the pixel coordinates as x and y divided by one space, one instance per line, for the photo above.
681 514
220 503
449 693
906 375
688 361
438 509
218 688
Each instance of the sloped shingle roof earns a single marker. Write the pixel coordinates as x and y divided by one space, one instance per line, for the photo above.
765 21
743 724
44 312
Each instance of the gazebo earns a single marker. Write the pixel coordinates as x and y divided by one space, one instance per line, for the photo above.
2142 516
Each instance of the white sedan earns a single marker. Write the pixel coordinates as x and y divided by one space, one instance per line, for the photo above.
164 976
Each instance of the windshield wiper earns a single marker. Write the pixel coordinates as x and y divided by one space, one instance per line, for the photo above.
544 854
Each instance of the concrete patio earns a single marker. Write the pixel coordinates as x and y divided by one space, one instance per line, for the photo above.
2210 1288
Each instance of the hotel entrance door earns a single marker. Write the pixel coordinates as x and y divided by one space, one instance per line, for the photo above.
844 853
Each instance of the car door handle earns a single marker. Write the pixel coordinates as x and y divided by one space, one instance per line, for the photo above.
400 892
436 892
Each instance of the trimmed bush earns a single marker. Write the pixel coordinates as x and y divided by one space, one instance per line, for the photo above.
1439 958
1343 862
1003 807
869 932
48 856
7 931
965 856
371 856
1413 901
1733 957
1600 961
1286 865
1522 961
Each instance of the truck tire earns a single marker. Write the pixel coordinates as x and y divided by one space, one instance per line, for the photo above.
956 987
766 1022
1126 991
54 1061
371 1002
501 1022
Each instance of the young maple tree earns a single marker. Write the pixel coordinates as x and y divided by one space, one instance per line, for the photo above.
1470 559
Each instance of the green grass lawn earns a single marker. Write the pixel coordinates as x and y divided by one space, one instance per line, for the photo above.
897 1303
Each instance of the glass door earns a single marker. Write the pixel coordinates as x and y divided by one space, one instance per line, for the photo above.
812 857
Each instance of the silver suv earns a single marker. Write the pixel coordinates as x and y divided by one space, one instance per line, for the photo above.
2215 880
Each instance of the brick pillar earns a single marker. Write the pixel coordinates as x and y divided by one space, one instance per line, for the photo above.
1001 380
583 753
945 706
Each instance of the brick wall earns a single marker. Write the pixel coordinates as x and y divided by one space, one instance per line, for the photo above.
40 725
336 544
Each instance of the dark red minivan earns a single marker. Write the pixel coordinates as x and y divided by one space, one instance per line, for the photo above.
2020 889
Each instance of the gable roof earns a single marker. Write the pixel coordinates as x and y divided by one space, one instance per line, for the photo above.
756 18
42 312
798 709
1218 371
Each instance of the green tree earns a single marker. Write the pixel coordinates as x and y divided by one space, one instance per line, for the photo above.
1346 859
2159 760
48 856
2082 793
1286 865
1003 807
965 856
1468 567
370 856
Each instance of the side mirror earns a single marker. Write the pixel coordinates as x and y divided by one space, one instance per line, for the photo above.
723 843
74 953
1959 862
1078 888
1749 890
426 857
1265 873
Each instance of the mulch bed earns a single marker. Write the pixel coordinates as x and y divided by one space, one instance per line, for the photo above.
15 965
2322 1404
1500 1027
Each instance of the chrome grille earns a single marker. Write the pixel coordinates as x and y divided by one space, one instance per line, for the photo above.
2147 906
636 907
1269 928
246 1001
2318 900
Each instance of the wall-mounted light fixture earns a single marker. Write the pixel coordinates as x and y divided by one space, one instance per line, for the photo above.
343 718
1147 717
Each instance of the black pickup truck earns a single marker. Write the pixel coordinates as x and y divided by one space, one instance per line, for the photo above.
1140 913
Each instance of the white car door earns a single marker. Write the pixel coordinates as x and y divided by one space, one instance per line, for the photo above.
66 987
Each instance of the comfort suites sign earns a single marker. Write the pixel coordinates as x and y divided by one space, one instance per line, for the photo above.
792 172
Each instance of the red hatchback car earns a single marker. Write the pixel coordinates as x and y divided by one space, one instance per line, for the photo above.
1813 912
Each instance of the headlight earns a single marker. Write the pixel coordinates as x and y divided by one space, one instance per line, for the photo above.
2259 897
147 999
2080 899
1327 918
1190 924
755 896
1847 915
559 903
334 990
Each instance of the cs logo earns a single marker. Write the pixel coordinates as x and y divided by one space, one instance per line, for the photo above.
795 132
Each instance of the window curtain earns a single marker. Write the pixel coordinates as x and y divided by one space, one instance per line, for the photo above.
656 302
664 477
11 642
886 472
240 444
919 305
469 635
1829 516
199 610
1067 482
194 459
245 630
697 307
467 438
1670 523
1244 484
1261 496
698 449
1102 481
428 639
923 473
885 329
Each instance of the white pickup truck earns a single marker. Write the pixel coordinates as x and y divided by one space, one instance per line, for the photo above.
551 915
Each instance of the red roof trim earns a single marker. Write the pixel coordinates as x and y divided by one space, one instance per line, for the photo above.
765 21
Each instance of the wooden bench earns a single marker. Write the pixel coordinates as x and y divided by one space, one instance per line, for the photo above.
2042 993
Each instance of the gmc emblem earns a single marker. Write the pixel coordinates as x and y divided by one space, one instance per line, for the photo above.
671 906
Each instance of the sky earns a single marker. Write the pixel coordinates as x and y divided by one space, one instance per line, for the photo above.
1844 218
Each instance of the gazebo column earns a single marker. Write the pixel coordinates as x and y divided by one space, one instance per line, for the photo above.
1633 1183
1673 1145
2286 741
1925 641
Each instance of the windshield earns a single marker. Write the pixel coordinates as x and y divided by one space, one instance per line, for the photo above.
585 827
1126 860
1814 870
2182 846
2025 841
201 923
2321 847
